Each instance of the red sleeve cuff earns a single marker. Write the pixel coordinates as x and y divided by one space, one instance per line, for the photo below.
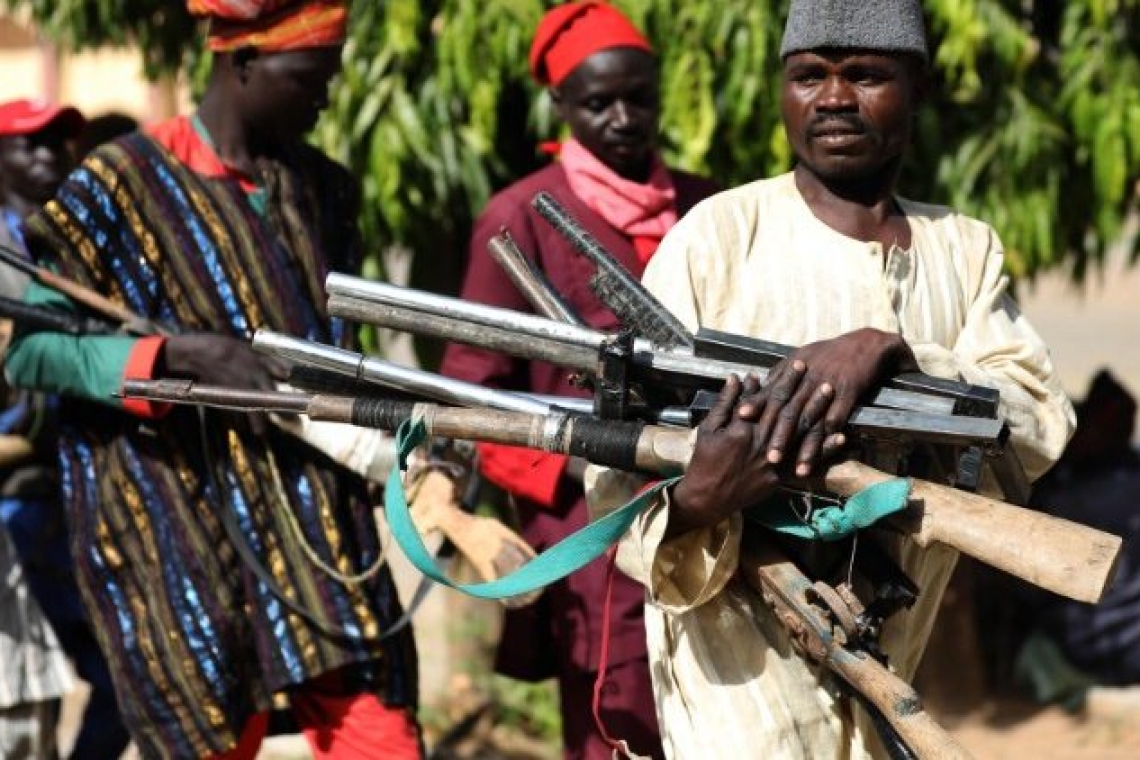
529 474
649 484
140 366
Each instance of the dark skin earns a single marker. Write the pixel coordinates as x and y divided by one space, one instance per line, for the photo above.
255 107
848 117
729 470
33 166
611 102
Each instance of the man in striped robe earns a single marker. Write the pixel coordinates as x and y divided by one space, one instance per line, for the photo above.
829 258
191 534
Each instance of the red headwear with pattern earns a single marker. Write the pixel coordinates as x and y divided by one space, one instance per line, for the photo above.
568 34
273 25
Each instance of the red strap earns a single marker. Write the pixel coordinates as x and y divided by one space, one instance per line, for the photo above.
604 655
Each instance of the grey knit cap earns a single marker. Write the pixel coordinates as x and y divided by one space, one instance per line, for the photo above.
893 26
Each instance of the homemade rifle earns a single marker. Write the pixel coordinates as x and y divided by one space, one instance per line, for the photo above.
824 626
1064 557
637 378
640 312
44 319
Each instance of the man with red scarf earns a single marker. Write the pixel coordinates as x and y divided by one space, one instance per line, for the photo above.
192 535
603 77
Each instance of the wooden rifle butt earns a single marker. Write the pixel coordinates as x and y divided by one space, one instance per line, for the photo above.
1059 555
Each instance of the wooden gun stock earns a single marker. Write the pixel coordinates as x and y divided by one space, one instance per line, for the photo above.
1056 554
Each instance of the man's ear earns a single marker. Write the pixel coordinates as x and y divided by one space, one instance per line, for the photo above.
243 59
920 76
559 103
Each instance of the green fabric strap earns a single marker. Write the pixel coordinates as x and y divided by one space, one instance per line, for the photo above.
568 555
589 543
859 511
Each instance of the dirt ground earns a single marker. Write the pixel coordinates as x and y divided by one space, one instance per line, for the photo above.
1106 730
1002 730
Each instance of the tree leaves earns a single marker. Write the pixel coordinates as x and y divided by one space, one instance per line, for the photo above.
1033 124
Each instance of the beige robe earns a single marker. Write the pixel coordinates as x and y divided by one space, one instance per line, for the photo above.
756 261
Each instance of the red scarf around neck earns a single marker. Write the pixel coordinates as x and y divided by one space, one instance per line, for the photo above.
642 211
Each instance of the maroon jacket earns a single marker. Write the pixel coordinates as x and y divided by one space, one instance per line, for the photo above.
563 630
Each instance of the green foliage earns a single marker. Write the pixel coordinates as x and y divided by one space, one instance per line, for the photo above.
1033 124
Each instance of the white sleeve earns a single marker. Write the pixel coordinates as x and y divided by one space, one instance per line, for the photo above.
679 574
998 348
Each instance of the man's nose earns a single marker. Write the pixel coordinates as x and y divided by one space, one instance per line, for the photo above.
624 117
45 152
837 94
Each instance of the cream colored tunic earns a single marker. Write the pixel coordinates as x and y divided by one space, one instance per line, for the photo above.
756 261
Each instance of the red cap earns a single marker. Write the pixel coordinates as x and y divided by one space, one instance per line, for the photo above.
569 34
24 117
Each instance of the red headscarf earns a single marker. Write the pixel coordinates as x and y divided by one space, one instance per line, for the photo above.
273 25
568 34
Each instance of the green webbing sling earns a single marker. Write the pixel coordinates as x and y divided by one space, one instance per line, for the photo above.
592 541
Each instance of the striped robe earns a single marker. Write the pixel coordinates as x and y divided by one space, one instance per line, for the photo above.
756 261
195 641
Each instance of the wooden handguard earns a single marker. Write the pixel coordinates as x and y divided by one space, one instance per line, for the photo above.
1062 556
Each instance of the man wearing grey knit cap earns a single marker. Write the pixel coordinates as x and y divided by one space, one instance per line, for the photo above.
829 258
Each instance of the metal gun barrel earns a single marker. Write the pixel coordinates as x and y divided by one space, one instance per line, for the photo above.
520 343
391 375
528 336
530 281
476 313
626 297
